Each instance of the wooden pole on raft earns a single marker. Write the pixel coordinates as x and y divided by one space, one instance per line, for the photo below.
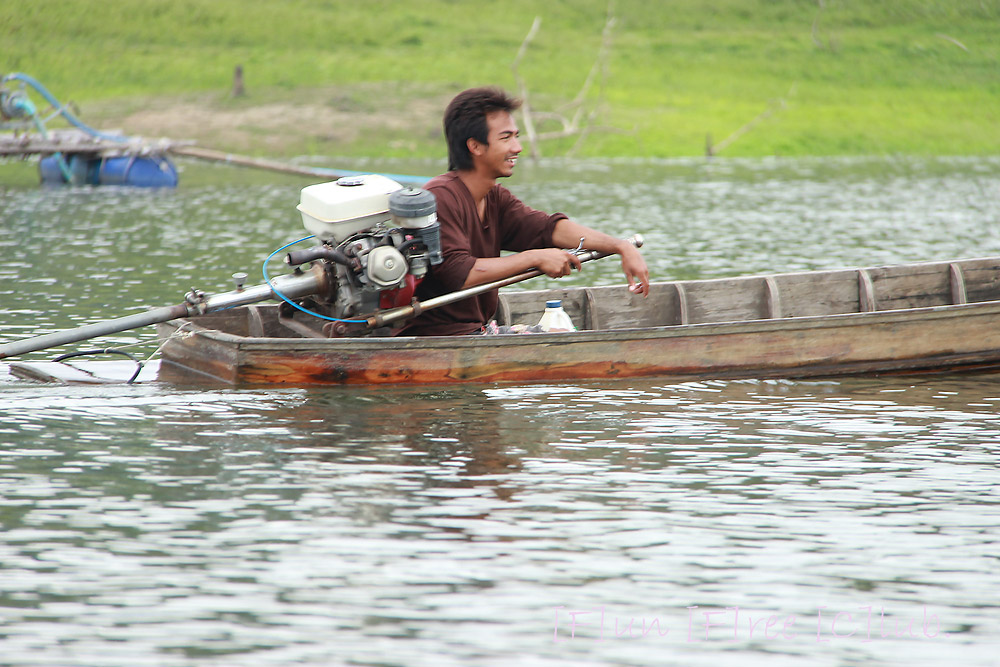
271 165
244 161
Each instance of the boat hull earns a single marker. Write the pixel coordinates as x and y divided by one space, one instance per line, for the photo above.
947 338
926 317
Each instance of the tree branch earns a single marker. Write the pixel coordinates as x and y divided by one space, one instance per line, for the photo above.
529 125
776 106
580 122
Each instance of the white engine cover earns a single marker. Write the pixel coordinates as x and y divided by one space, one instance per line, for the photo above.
335 210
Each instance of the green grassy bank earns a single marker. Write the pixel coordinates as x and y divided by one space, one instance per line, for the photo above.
776 77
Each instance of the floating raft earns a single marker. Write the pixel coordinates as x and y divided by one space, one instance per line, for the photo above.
80 156
95 161
71 141
87 156
72 156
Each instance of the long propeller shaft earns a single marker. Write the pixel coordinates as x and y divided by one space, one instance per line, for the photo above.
292 285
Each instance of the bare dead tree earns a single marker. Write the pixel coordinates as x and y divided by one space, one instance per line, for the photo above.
574 117
831 44
815 27
238 89
529 125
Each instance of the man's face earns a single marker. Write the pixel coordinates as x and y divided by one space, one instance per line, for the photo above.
500 155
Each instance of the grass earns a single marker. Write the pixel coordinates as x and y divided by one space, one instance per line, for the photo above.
838 77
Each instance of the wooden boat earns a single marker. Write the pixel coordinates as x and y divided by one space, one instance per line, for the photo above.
935 316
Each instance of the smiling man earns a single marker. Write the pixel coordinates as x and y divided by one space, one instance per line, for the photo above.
480 218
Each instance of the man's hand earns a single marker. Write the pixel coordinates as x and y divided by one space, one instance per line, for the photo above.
635 269
568 233
554 262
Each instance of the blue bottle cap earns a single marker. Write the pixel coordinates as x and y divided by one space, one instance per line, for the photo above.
554 303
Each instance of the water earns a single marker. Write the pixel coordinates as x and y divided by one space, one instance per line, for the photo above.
752 522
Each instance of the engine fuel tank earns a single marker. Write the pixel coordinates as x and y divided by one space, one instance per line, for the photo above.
335 210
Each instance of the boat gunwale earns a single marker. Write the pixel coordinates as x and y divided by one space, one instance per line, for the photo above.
735 327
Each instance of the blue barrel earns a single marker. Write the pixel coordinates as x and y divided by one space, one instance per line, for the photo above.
144 172
83 169
139 171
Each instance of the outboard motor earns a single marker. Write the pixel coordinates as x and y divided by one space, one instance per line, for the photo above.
379 241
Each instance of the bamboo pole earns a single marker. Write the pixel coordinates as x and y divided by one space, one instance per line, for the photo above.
325 173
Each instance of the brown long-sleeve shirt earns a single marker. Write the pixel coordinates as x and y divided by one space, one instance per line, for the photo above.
507 224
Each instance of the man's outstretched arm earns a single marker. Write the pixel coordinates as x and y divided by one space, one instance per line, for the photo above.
567 234
553 262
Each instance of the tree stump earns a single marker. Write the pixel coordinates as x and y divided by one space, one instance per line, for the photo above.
238 90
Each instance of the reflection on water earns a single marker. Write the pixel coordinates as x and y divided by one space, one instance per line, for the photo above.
640 523
399 526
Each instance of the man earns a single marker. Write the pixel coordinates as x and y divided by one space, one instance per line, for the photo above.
479 218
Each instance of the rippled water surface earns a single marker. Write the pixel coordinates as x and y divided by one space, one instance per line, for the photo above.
848 522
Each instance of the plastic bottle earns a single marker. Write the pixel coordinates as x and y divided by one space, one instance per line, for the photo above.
555 318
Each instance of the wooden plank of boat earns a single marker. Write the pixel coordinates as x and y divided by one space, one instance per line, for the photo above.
938 316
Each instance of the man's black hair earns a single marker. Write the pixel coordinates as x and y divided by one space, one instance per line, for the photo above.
465 118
